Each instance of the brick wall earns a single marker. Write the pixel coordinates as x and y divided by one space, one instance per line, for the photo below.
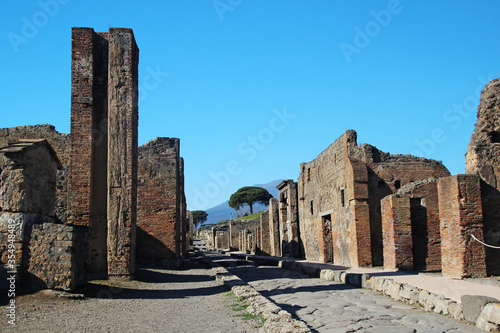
396 225
385 177
411 227
345 185
334 188
103 153
88 143
460 211
160 197
483 158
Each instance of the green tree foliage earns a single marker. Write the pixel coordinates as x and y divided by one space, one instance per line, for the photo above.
199 216
249 195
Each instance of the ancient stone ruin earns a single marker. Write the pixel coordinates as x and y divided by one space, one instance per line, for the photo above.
103 152
162 223
76 200
357 206
34 244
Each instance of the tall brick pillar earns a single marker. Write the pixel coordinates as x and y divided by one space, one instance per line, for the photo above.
122 151
396 228
88 152
460 213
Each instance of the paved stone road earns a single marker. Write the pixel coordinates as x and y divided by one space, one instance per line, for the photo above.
327 306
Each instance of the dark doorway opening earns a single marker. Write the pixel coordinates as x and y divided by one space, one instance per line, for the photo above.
327 234
420 236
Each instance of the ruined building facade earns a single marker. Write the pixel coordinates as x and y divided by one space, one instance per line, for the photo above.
357 206
340 195
81 216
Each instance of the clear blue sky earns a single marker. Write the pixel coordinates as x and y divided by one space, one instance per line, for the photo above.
404 74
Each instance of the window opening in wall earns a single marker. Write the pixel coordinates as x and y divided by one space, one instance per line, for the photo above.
308 174
494 137
397 184
381 184
312 208
342 198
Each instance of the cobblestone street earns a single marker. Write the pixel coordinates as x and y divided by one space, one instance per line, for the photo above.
327 306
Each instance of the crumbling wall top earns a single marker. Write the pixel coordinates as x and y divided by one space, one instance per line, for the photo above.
162 146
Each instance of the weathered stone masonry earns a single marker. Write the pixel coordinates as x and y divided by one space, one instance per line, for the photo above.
288 220
483 158
59 142
103 163
340 195
47 253
161 202
99 192
411 227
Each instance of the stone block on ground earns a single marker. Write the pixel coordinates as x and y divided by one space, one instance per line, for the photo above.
489 319
327 274
473 305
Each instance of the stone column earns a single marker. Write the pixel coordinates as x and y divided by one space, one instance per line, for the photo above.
88 146
122 151
274 228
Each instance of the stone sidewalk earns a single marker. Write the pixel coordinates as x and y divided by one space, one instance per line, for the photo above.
433 282
328 306
458 299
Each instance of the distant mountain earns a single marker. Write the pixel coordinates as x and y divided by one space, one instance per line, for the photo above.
223 211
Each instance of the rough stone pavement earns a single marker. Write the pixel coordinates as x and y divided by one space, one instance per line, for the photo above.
327 306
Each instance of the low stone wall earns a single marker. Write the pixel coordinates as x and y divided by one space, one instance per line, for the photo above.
57 257
45 254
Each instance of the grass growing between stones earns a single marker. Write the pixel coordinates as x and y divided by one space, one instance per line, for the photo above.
240 304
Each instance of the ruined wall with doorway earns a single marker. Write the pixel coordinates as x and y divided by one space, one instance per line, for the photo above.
323 189
239 231
340 195
388 173
290 245
411 227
